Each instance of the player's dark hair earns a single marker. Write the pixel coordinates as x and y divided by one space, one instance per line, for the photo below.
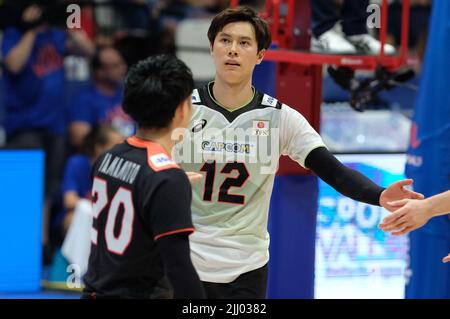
154 88
241 14
99 135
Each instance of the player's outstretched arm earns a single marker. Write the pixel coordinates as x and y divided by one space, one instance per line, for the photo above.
411 214
353 184
414 214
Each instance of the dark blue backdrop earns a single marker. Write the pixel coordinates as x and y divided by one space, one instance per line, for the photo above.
292 227
429 161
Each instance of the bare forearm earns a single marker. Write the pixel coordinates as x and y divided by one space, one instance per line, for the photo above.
70 200
439 204
19 55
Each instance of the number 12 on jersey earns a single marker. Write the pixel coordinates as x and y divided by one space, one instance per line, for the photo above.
210 169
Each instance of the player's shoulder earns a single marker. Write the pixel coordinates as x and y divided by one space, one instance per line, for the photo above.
267 101
160 161
174 176
202 96
195 97
155 156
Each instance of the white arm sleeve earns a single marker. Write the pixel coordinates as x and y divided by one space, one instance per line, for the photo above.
297 137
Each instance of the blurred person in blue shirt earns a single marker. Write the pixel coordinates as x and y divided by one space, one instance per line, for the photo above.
33 54
76 207
77 181
100 102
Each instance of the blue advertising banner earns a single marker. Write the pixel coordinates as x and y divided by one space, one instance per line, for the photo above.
21 198
354 257
428 161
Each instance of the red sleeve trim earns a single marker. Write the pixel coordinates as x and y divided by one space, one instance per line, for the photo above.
190 230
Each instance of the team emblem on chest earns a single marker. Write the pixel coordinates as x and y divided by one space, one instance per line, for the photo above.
261 128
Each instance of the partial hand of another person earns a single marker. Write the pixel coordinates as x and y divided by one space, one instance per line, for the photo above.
410 214
446 259
397 191
194 177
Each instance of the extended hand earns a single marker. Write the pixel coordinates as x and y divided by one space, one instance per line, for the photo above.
395 192
410 214
446 259
194 177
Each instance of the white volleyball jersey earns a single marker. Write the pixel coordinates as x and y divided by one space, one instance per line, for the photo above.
237 152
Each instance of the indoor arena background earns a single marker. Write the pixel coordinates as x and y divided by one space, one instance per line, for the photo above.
323 245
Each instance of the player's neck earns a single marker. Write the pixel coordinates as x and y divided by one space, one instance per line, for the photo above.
162 137
232 96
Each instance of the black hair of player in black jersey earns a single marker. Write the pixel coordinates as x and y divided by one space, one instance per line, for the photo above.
241 14
154 88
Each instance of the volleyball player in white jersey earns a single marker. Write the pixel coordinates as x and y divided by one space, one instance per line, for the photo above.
232 131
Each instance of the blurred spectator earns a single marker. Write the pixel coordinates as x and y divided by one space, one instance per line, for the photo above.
33 53
71 227
100 102
77 182
132 26
347 37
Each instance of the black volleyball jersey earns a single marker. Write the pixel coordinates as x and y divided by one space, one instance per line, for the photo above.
139 195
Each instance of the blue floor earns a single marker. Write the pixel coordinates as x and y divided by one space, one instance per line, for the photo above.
43 294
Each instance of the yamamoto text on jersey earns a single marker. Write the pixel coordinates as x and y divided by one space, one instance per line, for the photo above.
119 168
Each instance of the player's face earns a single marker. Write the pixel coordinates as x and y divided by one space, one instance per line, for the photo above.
235 52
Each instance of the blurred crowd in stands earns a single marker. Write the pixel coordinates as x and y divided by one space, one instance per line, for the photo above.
61 89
